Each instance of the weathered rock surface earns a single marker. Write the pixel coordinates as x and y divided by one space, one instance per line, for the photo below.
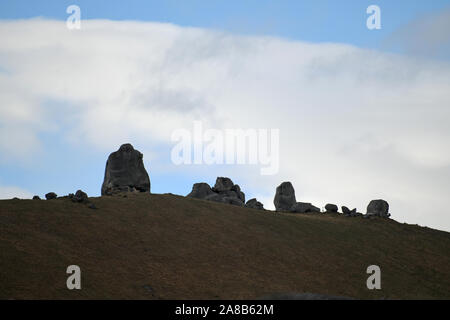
200 191
331 208
223 184
224 191
254 204
379 208
125 172
304 207
79 196
51 196
284 197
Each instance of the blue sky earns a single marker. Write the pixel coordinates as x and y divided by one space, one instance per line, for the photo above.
315 21
55 140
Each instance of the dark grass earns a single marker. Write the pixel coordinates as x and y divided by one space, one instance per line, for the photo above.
148 246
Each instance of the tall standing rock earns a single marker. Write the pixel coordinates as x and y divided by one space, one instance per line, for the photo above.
125 172
284 197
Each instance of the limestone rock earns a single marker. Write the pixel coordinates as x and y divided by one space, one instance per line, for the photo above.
224 191
51 196
284 197
304 207
200 191
254 204
125 172
378 208
331 208
79 196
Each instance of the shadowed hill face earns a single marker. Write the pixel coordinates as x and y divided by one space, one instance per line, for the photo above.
147 246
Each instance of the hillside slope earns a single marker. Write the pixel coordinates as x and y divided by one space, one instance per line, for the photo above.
149 246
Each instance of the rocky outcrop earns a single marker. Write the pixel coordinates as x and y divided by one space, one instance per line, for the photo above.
350 213
378 208
254 204
331 208
284 197
51 196
224 191
304 207
200 191
285 200
79 196
125 172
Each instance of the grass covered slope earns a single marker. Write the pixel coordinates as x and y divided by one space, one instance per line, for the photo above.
148 246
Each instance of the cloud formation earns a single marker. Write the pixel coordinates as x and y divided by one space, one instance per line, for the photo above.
355 124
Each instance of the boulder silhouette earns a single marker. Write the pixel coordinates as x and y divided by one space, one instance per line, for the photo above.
223 184
284 197
331 208
378 208
51 196
254 204
79 196
304 207
224 191
125 172
200 191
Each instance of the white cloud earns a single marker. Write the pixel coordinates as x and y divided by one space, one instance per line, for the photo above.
426 35
354 124
9 192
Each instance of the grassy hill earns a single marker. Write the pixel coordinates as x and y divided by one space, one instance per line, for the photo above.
149 246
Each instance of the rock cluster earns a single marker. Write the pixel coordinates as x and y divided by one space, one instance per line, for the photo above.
224 191
79 196
285 200
350 213
125 172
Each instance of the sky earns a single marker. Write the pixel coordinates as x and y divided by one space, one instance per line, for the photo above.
362 114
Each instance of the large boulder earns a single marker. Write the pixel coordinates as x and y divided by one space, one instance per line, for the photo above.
51 196
254 204
79 196
304 207
125 172
284 197
200 191
331 208
378 208
224 191
223 184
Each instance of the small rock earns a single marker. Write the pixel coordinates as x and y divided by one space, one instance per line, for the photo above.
331 208
79 196
91 206
254 204
51 196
